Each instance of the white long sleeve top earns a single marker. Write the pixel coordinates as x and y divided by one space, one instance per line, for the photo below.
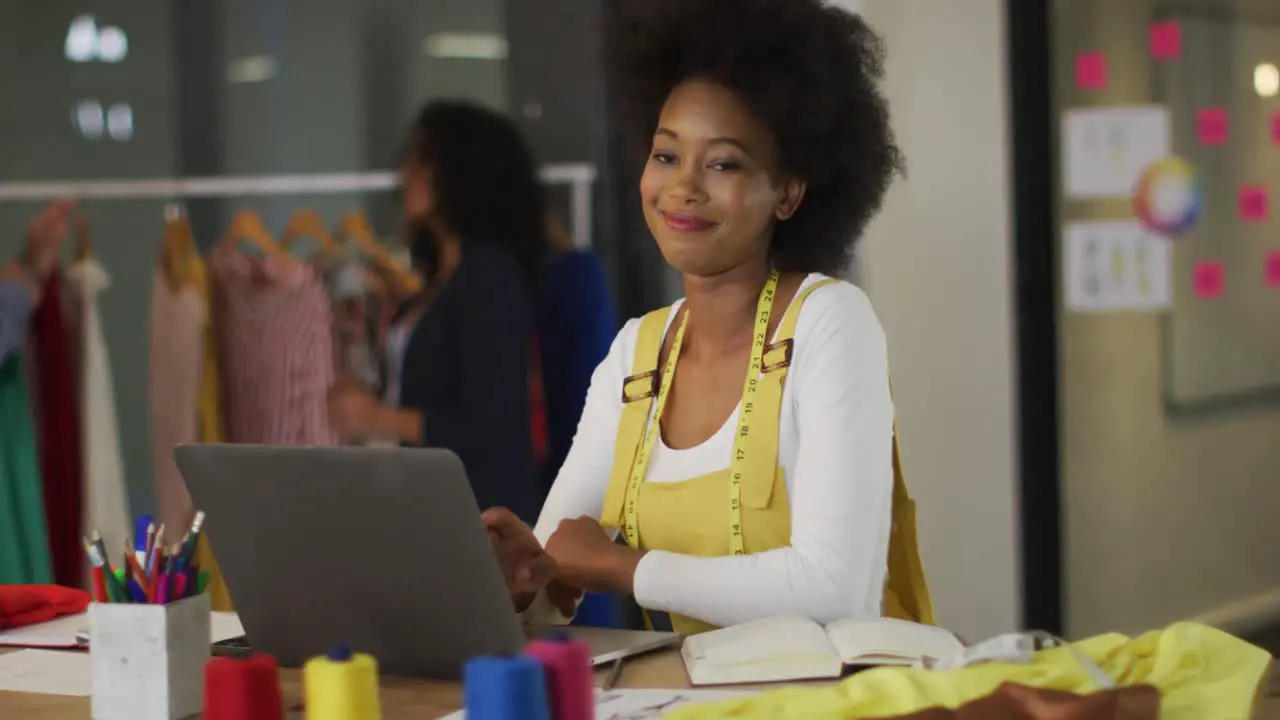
835 446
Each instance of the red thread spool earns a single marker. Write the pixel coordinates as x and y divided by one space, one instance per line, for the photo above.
242 689
570 686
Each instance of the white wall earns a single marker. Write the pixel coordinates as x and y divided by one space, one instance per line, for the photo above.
937 265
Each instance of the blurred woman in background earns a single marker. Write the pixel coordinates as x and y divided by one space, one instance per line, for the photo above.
462 366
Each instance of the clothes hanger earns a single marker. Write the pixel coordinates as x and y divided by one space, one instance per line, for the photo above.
178 248
84 239
307 223
355 228
247 228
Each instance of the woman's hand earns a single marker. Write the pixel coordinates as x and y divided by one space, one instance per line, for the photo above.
353 410
45 236
588 559
525 566
355 413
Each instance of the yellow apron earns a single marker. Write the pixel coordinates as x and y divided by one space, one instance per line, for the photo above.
210 429
692 517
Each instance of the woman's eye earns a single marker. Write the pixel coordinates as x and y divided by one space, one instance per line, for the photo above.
726 166
666 158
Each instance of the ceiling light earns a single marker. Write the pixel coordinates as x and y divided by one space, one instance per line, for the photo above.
113 45
1266 80
251 69
465 46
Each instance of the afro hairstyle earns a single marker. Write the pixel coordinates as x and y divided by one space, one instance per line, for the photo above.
809 71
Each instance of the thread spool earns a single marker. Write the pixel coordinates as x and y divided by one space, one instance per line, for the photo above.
570 686
341 686
242 689
505 688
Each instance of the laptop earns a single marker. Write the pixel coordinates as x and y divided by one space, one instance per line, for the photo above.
378 549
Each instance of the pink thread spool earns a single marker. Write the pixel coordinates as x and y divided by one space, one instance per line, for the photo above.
570 686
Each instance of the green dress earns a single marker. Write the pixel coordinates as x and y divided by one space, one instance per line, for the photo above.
24 544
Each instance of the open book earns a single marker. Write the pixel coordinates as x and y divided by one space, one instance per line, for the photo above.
795 648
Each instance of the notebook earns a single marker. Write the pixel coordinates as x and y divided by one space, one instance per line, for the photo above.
795 648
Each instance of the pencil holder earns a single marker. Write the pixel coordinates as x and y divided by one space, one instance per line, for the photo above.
148 661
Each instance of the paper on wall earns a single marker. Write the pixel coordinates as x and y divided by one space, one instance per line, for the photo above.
47 672
1115 266
1104 151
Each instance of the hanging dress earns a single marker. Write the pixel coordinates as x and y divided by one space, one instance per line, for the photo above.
24 541
210 429
178 317
59 435
106 504
275 341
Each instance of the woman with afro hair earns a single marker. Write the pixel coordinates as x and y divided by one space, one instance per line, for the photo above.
737 458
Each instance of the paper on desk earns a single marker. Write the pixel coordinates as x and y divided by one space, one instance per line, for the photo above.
645 704
61 633
48 672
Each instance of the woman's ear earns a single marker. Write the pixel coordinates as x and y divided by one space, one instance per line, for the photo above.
792 196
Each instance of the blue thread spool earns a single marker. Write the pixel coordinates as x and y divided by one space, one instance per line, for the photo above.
505 688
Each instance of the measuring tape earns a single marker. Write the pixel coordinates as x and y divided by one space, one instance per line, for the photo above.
737 463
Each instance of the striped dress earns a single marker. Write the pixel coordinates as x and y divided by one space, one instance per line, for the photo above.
276 344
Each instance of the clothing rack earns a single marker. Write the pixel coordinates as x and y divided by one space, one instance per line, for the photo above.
580 177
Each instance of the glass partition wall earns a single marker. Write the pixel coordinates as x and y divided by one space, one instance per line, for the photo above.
1149 309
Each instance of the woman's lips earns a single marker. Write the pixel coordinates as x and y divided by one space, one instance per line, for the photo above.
683 222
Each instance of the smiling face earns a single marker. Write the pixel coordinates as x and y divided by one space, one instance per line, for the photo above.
712 188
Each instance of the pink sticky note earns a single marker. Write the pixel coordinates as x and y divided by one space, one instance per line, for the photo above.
1208 279
1211 126
1165 39
1253 203
1271 269
1091 71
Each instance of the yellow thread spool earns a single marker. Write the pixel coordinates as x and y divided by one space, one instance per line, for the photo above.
341 686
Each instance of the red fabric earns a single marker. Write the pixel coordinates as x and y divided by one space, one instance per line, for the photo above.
30 604
59 433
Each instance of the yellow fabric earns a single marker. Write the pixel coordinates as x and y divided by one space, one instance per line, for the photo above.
691 517
210 429
1201 672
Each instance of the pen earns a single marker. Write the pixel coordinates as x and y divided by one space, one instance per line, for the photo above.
614 673
135 592
99 585
102 551
177 568
134 570
153 554
140 527
150 542
190 546
111 585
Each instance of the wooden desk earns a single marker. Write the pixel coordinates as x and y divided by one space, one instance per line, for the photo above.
402 699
